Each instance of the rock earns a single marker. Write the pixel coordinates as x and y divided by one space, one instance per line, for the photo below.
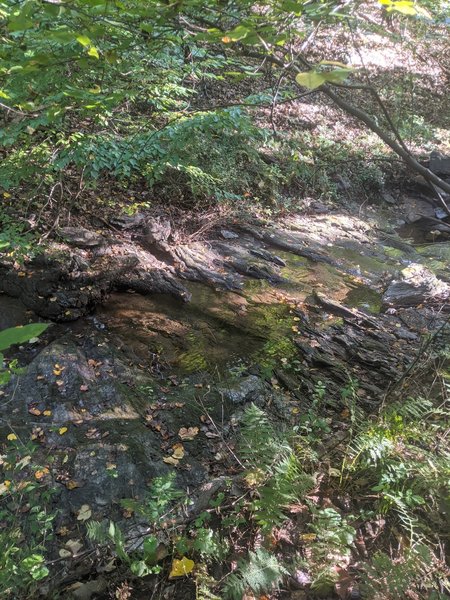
93 396
127 221
228 235
439 163
417 285
388 198
12 312
85 591
81 237
247 389
156 232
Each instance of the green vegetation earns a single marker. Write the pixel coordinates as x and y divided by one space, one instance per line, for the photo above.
104 95
232 107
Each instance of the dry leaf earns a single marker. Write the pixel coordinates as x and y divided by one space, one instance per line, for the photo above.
72 484
181 567
74 546
170 460
41 473
59 382
84 513
34 411
188 433
62 430
47 413
178 451
63 553
84 388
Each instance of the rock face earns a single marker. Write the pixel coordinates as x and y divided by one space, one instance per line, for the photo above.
416 286
108 451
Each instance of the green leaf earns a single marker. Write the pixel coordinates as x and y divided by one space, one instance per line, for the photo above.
19 335
311 79
150 547
238 33
337 75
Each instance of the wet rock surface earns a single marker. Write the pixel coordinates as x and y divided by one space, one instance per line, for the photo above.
271 315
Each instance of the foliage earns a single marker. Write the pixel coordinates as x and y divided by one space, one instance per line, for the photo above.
110 91
258 573
26 517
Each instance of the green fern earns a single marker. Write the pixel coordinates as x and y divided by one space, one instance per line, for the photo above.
259 573
97 532
288 484
388 579
259 446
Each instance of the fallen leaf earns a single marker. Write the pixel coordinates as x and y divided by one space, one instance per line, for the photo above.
4 487
39 475
72 484
74 546
188 433
84 388
170 460
181 567
62 430
178 451
308 537
47 413
59 382
11 437
84 513
34 411
63 531
63 553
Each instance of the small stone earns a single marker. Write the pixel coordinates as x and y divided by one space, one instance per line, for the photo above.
228 235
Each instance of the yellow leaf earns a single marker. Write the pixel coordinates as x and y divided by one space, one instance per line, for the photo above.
4 487
41 473
6 195
226 39
93 52
170 460
308 537
178 451
62 430
181 567
47 413
11 437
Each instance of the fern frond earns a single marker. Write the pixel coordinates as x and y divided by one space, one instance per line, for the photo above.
259 573
97 532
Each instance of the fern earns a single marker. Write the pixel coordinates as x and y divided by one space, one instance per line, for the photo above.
259 573
97 532
387 579
259 446
288 484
